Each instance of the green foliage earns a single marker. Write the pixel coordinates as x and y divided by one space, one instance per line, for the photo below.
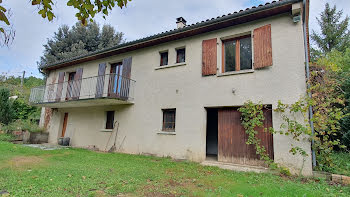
7 33
25 111
328 103
292 125
20 106
334 32
86 9
5 137
336 61
78 172
342 159
22 125
79 40
252 118
6 110
345 122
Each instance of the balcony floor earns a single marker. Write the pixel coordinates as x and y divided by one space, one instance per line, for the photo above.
84 103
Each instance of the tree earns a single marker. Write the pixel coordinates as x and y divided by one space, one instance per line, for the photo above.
79 40
86 11
6 110
334 32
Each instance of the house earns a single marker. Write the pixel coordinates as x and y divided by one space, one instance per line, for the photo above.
176 93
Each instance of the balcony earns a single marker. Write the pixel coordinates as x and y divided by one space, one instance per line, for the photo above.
110 89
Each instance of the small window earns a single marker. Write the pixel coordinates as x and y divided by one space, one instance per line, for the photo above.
110 120
180 55
169 119
237 54
163 58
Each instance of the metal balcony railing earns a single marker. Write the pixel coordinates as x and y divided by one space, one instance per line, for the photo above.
103 86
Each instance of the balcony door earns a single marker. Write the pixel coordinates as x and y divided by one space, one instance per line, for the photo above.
115 80
74 84
71 86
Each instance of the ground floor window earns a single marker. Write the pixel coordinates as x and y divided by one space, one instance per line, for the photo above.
109 120
169 119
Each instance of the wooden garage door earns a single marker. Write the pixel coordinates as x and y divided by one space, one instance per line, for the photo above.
232 138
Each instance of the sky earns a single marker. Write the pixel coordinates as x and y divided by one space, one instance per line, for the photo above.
139 19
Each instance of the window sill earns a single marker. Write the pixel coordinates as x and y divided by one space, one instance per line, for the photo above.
166 133
235 72
106 130
170 66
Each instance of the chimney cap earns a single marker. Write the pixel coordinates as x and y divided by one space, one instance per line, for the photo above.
181 19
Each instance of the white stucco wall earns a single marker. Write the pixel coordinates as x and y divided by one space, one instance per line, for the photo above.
184 88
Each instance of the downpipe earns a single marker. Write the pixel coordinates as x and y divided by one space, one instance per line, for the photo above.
307 67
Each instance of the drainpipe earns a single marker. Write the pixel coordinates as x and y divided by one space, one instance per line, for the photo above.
308 85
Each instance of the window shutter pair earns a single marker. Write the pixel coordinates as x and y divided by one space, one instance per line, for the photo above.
262 51
77 85
125 83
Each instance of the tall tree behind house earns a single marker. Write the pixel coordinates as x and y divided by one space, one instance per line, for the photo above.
334 32
79 40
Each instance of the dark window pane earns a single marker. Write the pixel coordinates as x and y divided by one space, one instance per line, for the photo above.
110 120
230 53
164 58
169 119
245 53
181 53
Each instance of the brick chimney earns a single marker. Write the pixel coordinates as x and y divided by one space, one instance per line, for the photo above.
181 22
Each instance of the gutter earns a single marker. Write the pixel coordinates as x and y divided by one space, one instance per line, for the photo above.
307 67
208 22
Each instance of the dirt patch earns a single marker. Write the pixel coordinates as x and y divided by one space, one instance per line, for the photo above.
23 162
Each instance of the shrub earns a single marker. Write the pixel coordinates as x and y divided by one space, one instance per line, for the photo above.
22 125
6 137
6 110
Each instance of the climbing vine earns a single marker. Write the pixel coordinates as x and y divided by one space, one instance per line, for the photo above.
252 118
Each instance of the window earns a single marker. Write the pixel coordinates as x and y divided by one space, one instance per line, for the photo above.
163 58
180 55
169 119
110 120
237 54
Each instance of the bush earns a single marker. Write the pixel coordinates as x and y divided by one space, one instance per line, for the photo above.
345 123
24 111
6 109
22 125
6 137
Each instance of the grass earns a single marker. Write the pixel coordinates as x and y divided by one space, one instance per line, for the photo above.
26 171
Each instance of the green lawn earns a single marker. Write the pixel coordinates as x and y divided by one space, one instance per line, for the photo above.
28 171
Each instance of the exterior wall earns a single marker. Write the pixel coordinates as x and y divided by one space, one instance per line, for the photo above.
184 88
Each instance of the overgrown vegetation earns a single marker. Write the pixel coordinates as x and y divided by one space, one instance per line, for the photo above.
76 172
22 125
16 113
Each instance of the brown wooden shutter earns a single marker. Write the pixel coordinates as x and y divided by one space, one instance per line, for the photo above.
59 86
125 81
100 80
262 47
209 57
77 84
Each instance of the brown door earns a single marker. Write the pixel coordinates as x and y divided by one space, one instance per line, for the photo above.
64 127
232 138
